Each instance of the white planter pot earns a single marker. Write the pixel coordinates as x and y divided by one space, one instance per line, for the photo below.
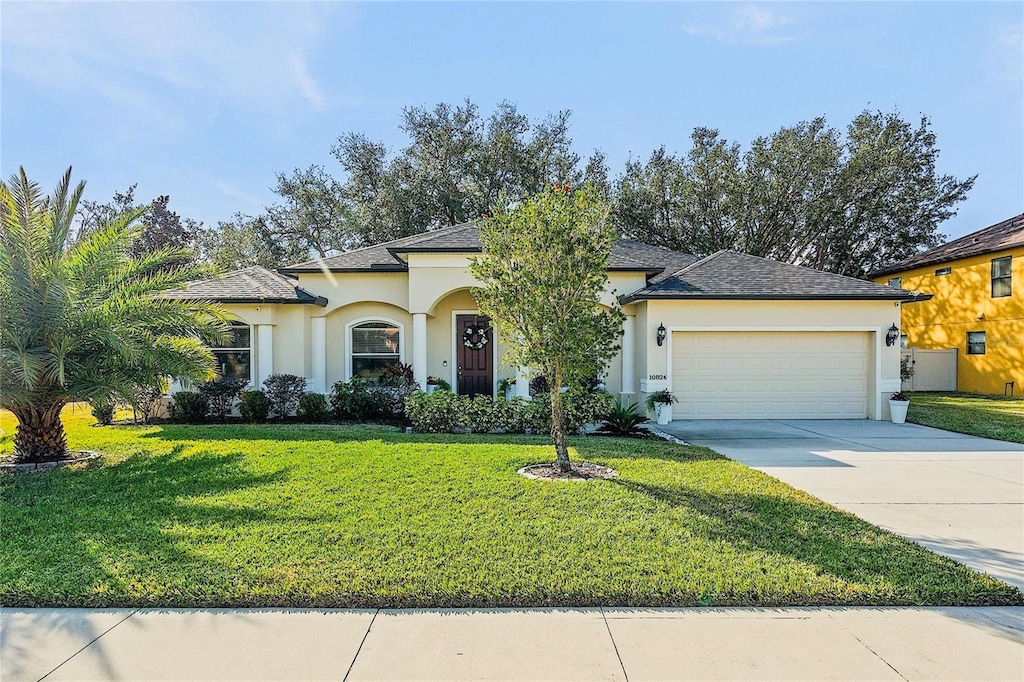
898 410
431 388
663 411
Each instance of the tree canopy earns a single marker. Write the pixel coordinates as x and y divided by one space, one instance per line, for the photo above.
542 272
806 194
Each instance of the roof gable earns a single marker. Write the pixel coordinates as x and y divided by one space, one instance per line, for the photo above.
999 237
733 275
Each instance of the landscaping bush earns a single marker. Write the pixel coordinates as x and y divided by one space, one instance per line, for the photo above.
362 400
221 395
103 410
623 420
190 407
143 397
254 406
437 412
284 392
312 408
445 412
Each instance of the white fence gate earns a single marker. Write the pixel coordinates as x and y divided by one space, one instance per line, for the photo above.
934 370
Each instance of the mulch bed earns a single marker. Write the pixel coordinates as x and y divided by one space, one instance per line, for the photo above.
578 471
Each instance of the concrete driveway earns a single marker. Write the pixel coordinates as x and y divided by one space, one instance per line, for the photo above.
958 495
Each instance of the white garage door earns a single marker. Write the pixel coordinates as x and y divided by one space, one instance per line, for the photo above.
770 375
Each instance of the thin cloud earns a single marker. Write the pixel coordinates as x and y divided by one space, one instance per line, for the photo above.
756 25
1007 53
306 83
210 52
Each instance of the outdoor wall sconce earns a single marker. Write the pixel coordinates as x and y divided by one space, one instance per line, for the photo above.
661 334
892 335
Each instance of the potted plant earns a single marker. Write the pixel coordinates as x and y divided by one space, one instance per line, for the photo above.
437 384
899 403
661 403
506 387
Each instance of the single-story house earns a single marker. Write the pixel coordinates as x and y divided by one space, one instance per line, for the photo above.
978 307
731 335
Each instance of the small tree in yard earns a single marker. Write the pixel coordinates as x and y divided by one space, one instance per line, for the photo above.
542 272
86 321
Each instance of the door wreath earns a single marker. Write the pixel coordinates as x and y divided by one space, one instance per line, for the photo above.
475 337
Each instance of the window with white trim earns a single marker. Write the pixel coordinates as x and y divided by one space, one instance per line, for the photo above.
375 347
234 358
896 282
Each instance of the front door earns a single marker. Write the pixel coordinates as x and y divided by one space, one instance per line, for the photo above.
475 356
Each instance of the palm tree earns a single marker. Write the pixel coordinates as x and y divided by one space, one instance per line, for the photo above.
84 320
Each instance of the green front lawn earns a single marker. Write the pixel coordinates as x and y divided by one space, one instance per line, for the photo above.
368 516
979 415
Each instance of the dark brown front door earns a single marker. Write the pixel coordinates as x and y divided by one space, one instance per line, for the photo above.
473 338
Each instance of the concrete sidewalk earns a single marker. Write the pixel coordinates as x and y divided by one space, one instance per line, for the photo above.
528 644
958 495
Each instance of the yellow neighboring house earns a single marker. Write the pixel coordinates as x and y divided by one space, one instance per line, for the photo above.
977 283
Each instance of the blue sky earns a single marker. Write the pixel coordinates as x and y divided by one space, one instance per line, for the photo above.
207 101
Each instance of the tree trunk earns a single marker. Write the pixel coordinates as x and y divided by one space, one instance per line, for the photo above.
558 424
40 434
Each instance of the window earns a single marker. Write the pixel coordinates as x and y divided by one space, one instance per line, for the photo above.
233 357
896 282
375 347
975 343
943 271
1001 276
904 341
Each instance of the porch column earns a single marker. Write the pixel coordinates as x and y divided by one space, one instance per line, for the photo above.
628 359
264 352
522 383
318 329
419 349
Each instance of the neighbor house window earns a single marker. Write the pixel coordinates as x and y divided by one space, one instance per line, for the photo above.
1001 276
233 358
896 282
904 341
975 343
943 271
375 347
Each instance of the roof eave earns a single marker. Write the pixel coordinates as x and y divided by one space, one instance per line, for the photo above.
632 298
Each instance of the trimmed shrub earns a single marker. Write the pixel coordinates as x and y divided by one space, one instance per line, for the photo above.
284 392
445 412
142 398
221 395
190 407
254 406
312 408
362 400
624 420
103 411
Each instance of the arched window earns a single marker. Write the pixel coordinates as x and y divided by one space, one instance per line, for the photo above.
375 346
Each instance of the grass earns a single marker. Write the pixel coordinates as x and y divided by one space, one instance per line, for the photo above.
979 415
369 516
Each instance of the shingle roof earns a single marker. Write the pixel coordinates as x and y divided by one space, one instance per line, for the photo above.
732 275
249 285
626 254
1004 235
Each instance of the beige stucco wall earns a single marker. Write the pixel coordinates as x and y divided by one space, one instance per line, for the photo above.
870 316
345 288
336 323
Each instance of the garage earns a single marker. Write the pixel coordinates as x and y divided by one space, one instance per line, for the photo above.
771 374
